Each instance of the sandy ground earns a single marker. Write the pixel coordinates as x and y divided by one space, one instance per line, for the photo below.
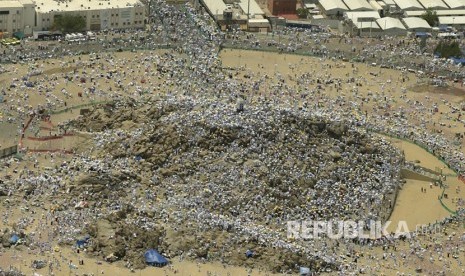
412 205
21 260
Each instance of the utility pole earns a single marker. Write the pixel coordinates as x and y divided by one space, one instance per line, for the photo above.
248 14
371 26
248 11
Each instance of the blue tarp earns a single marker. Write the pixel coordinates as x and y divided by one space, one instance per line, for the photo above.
152 257
458 60
249 253
14 239
422 34
82 242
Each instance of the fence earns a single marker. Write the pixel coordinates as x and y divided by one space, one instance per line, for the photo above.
8 151
440 198
442 203
92 103
421 145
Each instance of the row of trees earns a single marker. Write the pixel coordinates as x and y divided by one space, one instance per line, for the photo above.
69 23
448 49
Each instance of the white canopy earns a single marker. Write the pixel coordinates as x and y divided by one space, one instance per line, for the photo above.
438 12
375 5
455 4
358 5
362 16
416 23
409 5
451 20
333 6
434 4
387 23
389 2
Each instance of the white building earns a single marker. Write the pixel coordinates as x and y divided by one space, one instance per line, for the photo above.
28 15
99 15
16 16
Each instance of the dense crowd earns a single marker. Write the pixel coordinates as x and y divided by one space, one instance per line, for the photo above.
197 111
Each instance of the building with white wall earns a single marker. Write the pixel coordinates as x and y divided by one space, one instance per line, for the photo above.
28 15
16 16
99 15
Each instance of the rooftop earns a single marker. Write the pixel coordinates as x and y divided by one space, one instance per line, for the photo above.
251 6
434 4
216 7
46 6
10 4
358 5
387 23
333 5
415 23
409 5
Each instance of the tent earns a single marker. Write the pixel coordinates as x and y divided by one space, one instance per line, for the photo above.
18 35
82 242
304 271
416 24
333 7
152 257
14 239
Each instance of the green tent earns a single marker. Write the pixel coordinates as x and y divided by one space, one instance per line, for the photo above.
18 35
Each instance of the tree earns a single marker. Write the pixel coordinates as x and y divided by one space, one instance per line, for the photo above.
69 23
447 49
302 13
431 17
